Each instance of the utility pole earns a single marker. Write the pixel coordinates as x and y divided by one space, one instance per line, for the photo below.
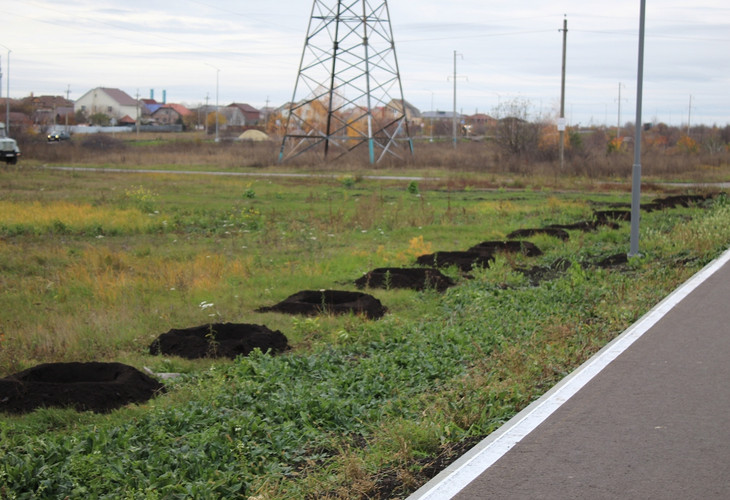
137 106
7 97
618 122
217 107
68 93
266 116
689 114
1 88
205 124
454 118
561 121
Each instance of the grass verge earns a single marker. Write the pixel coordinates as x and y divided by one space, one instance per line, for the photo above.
359 408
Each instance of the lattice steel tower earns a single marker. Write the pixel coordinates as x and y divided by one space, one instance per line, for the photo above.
348 91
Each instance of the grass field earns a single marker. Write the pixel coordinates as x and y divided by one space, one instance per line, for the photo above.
95 265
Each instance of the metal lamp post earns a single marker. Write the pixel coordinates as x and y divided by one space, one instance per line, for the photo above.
7 96
7 93
217 107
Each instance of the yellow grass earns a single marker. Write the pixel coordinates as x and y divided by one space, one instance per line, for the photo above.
74 216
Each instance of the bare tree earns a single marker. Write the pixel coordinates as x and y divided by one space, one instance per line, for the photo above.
515 132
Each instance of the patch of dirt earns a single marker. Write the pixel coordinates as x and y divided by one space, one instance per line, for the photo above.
415 278
98 387
618 259
611 216
510 246
538 274
683 200
579 226
549 230
218 340
313 302
465 261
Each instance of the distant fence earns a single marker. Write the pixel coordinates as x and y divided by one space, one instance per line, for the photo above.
79 129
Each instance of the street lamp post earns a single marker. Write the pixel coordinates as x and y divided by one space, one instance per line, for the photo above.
7 93
7 96
217 107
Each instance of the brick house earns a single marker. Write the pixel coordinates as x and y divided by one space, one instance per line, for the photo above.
171 114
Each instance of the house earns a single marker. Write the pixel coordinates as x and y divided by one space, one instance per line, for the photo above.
47 109
479 123
150 106
396 107
171 114
19 122
240 114
114 103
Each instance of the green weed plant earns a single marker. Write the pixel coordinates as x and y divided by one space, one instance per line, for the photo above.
354 400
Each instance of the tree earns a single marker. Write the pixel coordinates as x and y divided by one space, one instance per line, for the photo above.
210 121
514 132
80 117
100 119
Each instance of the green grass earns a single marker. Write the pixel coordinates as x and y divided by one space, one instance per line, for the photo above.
110 261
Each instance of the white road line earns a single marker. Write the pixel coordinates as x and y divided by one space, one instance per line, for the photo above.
467 468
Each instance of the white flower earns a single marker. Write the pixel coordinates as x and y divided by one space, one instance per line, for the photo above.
205 305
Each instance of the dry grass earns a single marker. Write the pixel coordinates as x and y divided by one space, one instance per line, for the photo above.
478 164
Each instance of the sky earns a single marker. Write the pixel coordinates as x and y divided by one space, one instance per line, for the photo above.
249 51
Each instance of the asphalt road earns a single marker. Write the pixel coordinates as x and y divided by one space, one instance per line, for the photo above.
650 422
232 174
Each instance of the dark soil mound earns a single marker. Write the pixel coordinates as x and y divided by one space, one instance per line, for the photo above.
538 274
683 200
511 246
609 216
313 302
550 231
99 387
580 226
218 340
465 261
613 260
415 278
651 207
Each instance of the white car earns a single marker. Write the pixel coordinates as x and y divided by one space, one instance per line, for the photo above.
9 152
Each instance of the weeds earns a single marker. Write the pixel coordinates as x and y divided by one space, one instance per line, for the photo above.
357 400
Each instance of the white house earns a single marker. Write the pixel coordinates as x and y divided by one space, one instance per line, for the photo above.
114 103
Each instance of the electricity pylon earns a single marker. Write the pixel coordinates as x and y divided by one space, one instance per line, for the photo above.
348 91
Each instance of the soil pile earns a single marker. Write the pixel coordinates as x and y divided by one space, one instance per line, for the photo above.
313 302
538 274
550 231
618 259
510 246
218 340
98 387
585 226
465 261
611 216
415 278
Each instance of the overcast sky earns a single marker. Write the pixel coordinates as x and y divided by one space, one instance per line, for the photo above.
507 50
